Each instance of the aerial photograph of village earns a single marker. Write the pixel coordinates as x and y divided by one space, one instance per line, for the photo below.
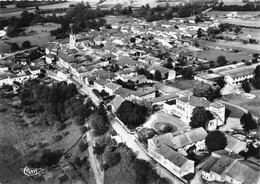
130 92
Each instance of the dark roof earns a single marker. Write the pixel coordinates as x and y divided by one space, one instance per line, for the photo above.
124 92
245 172
206 166
171 155
159 68
127 61
221 165
100 82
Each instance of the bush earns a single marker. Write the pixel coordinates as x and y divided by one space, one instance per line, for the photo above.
57 138
83 129
83 146
60 126
50 158
113 158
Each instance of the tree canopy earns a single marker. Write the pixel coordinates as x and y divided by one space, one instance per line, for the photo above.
248 122
187 73
215 141
131 114
202 89
157 75
200 117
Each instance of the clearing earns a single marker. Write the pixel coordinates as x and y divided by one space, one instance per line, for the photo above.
33 137
37 35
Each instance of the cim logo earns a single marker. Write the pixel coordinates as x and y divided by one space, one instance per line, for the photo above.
31 171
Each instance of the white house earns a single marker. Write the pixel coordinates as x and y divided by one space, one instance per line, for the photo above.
194 139
99 84
170 159
112 87
3 68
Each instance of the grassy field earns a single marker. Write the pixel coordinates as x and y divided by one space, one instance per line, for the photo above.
183 84
241 13
37 35
247 48
213 55
253 105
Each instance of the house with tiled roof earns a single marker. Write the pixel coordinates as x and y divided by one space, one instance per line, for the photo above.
99 84
144 94
165 72
111 87
223 166
182 142
165 89
124 93
115 103
185 104
173 161
235 145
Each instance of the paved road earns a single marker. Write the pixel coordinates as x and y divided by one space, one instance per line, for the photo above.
129 140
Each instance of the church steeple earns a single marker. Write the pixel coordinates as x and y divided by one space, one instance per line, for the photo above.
72 38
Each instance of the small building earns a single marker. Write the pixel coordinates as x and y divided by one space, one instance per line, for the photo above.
208 78
223 166
194 138
235 145
112 87
115 103
99 84
3 68
144 94
170 159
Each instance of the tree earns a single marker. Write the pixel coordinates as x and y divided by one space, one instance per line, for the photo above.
131 114
199 33
157 75
26 45
168 65
132 39
98 124
246 86
215 141
221 60
50 158
198 19
88 5
118 7
187 73
112 158
14 47
200 117
247 121
237 29
256 79
202 89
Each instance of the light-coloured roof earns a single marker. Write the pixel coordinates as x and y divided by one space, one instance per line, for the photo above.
159 68
116 102
166 88
235 144
113 86
195 101
181 140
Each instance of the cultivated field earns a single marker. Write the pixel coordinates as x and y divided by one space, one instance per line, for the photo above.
37 35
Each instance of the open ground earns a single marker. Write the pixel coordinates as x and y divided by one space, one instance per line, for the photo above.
36 35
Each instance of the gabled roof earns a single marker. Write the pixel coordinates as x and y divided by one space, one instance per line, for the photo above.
100 82
113 86
181 140
144 92
245 172
166 88
221 165
124 92
127 61
195 101
235 144
171 155
116 102
157 67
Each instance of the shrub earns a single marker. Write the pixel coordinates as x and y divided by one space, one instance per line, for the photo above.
50 158
83 129
83 146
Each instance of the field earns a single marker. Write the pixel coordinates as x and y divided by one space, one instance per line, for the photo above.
249 48
37 35
223 13
213 55
250 104
182 84
14 126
